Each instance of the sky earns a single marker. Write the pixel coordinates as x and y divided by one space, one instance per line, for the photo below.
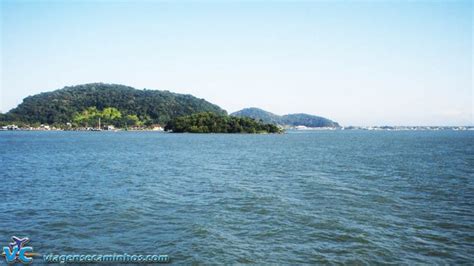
355 62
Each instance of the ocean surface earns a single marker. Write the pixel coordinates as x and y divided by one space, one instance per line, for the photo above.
300 197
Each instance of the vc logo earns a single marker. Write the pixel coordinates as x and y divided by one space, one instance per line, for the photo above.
16 251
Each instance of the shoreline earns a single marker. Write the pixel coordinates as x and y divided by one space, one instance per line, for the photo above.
415 128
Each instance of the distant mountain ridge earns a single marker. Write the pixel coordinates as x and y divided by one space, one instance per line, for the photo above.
286 120
150 106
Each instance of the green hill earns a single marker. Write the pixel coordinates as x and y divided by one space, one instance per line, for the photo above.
259 115
285 120
76 102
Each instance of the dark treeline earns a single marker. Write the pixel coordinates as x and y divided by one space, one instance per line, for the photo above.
208 122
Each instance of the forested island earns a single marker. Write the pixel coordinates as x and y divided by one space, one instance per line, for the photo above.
208 122
67 105
98 106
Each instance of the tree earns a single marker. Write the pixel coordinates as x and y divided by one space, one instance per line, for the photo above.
110 115
90 116
130 121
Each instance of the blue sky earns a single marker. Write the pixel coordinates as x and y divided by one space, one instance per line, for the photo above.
359 63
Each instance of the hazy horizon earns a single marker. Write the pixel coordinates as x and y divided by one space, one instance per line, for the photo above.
357 63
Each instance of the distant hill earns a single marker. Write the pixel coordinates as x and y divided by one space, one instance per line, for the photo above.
259 114
286 120
151 106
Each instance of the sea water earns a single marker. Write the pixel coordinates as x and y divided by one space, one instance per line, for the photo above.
300 197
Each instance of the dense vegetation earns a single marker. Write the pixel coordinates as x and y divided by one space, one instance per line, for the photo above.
207 122
148 106
108 116
285 120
